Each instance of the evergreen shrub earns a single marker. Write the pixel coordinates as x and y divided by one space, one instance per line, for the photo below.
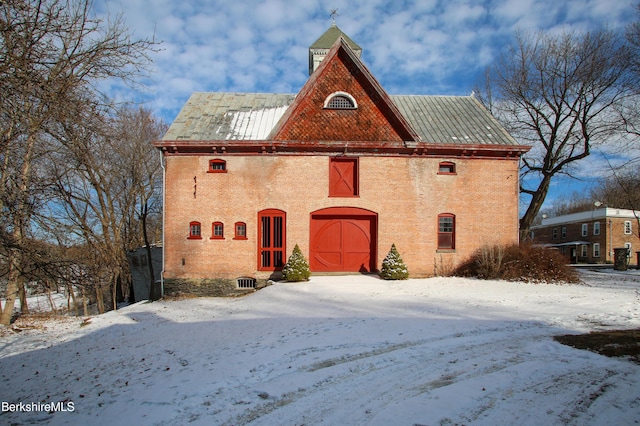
393 268
297 267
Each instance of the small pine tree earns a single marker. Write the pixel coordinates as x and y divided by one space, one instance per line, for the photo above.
393 268
297 267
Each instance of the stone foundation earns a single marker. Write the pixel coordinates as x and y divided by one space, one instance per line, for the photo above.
208 287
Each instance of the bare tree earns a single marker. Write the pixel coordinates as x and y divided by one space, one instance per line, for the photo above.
621 190
108 183
135 132
633 36
52 55
557 93
571 203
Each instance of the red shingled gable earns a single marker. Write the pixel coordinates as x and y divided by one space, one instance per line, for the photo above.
375 119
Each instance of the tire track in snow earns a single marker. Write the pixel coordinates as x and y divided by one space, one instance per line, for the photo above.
467 355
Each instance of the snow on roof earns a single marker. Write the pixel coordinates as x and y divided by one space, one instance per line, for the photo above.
603 213
251 116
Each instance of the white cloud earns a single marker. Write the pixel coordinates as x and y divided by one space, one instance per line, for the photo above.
413 46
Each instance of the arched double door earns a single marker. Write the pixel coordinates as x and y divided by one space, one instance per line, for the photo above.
343 239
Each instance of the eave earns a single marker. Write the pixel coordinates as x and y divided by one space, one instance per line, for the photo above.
366 148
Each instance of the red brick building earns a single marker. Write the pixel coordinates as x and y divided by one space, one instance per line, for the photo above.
341 168
591 236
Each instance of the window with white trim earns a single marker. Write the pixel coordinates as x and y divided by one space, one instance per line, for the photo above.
245 282
596 228
583 250
596 249
340 100
585 229
627 227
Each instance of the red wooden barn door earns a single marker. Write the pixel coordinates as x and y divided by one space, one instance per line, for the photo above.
343 177
343 240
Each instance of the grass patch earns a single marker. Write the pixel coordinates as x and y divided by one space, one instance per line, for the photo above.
615 343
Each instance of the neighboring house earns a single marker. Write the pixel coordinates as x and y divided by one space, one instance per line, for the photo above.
591 236
342 169
140 272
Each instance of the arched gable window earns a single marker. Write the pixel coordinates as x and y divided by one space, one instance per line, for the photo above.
340 100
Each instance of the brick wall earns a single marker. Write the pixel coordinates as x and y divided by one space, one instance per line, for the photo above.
612 235
371 121
407 193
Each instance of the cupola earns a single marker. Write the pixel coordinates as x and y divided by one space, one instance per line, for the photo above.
321 46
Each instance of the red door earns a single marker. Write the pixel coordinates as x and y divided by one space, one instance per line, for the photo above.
271 240
343 242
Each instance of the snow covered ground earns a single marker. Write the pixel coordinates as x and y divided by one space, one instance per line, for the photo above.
346 350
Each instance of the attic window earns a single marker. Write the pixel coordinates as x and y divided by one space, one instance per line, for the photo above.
447 168
340 100
217 166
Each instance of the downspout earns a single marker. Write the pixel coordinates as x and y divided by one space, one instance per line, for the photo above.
164 196
610 238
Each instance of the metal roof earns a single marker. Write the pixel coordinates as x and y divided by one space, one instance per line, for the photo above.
228 116
326 40
452 120
251 116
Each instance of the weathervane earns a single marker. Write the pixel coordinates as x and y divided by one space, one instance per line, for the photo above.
333 15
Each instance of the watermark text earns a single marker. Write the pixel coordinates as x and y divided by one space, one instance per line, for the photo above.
29 407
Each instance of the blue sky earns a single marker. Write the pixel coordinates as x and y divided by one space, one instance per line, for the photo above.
435 47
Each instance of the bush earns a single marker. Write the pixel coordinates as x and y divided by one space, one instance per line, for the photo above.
443 266
518 263
297 267
393 268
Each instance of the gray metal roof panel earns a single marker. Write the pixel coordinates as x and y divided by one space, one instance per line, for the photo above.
452 120
252 116
228 116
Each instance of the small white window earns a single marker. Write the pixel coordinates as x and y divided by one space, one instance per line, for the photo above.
585 229
627 227
246 282
628 247
564 232
340 100
596 250
596 228
583 250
